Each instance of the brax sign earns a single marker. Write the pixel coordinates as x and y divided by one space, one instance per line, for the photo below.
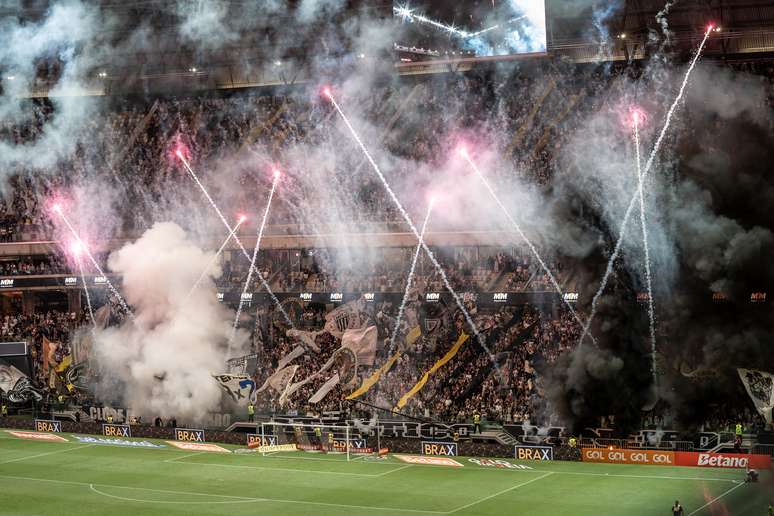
116 430
261 440
541 453
189 435
444 449
48 425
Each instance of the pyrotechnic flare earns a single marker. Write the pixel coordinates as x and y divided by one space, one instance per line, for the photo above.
633 201
643 222
58 209
217 255
75 250
250 270
464 153
327 92
264 283
410 279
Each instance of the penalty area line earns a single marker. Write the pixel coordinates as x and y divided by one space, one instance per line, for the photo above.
263 468
173 502
79 447
512 488
91 487
716 499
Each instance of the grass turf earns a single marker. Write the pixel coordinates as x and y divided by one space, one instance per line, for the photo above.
73 478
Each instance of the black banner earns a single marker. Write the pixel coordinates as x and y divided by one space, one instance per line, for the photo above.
109 430
48 425
537 453
439 448
191 435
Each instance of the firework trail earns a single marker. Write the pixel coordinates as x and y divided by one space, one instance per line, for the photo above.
82 246
250 270
413 228
408 14
635 197
643 223
518 229
217 254
264 283
410 279
85 289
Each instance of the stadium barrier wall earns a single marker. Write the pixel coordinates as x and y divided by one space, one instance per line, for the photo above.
407 445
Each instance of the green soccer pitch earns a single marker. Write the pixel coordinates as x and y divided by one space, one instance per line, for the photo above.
73 478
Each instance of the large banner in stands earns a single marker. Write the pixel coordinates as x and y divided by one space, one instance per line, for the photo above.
620 456
722 460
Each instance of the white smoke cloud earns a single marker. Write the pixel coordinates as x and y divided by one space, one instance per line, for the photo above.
162 360
61 34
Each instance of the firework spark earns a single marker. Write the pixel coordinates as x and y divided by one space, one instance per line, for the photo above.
238 242
413 228
250 270
648 165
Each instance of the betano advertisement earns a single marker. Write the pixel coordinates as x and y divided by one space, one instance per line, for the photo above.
619 456
723 460
668 458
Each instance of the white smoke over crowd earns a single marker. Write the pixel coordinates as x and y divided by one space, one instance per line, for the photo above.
160 362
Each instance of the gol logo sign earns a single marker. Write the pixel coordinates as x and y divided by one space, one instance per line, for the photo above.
619 456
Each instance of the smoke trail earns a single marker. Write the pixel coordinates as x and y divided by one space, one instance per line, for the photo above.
217 255
643 223
413 228
59 211
86 290
516 226
264 283
633 201
250 270
410 279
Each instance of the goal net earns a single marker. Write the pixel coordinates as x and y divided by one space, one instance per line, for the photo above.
343 440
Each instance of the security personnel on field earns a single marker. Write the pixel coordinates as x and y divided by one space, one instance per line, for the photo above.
739 429
330 442
61 400
109 418
250 412
476 422
572 442
318 436
4 410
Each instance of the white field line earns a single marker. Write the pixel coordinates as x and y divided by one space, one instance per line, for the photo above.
229 497
715 499
512 488
315 472
19 459
137 500
393 470
175 459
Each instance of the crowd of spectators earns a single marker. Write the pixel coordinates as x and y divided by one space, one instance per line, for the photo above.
56 326
131 148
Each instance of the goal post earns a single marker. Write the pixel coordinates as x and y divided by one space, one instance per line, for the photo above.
277 437
345 440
